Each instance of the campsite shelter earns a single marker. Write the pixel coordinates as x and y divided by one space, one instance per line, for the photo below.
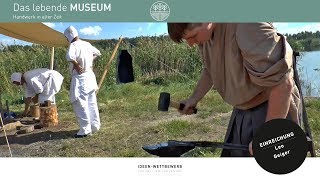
37 33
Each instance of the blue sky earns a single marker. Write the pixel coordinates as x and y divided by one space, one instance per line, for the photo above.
101 30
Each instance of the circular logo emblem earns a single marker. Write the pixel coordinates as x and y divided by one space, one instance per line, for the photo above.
159 11
280 146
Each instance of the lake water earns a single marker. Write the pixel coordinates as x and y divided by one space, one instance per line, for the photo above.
308 63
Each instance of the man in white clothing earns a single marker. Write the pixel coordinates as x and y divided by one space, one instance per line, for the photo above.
40 85
81 54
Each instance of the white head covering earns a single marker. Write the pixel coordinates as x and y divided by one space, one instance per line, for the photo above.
16 77
71 33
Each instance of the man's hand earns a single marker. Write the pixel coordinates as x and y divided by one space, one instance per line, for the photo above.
189 105
79 69
250 148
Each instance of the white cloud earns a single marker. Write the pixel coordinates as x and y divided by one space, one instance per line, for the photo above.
52 25
140 29
294 28
91 30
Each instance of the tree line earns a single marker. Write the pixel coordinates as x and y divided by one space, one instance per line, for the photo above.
304 41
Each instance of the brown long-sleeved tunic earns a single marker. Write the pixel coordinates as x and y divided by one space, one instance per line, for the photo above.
243 61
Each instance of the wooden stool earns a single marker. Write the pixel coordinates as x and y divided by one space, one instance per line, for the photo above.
49 116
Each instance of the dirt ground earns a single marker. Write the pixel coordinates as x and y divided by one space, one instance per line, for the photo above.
20 142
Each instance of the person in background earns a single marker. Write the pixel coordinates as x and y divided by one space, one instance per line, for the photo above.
250 66
81 55
40 85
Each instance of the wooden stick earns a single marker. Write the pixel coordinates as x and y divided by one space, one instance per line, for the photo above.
5 134
174 104
1 110
8 110
52 58
109 63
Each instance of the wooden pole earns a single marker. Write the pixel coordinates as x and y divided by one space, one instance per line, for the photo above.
52 58
1 109
109 63
7 106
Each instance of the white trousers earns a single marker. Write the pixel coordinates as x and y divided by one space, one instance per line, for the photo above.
87 113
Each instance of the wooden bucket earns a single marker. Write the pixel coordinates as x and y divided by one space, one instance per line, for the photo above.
35 111
49 116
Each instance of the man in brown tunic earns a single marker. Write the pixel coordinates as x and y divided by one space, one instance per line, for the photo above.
250 66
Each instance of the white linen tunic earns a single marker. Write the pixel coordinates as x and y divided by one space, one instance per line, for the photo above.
83 86
82 52
44 82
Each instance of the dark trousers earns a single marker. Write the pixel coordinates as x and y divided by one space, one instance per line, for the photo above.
242 127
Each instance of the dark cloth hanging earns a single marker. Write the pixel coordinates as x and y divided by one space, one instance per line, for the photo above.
124 68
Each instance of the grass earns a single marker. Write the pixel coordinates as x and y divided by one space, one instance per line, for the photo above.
130 120
178 128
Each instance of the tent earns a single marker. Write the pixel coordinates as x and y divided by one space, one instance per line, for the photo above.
37 33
